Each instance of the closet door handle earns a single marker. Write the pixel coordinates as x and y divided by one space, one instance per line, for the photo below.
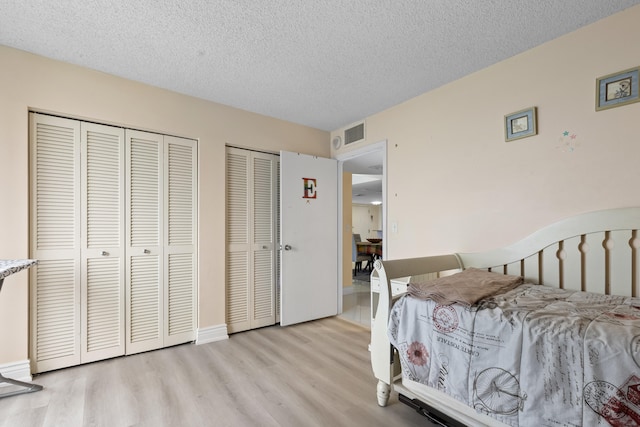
147 251
104 253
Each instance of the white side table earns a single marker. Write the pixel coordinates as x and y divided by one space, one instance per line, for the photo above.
7 268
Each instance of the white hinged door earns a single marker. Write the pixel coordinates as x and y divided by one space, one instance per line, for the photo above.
309 237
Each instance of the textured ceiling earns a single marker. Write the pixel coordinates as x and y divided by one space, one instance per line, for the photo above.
324 63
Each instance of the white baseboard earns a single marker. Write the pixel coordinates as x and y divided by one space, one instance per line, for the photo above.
20 371
212 334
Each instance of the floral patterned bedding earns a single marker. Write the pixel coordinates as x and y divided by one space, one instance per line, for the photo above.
533 356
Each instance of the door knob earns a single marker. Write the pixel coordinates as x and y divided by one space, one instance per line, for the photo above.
287 247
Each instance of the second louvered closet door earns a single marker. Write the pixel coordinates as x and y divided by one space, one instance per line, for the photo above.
161 231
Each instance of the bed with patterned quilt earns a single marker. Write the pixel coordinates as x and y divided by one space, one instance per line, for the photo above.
545 332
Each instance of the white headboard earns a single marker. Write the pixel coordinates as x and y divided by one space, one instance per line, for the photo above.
596 252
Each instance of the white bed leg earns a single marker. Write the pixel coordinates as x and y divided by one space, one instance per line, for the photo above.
383 393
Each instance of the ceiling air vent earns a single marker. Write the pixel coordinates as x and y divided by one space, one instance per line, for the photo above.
354 134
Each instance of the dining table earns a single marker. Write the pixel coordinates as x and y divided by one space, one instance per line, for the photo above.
372 249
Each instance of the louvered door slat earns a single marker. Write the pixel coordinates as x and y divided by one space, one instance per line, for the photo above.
263 304
237 301
104 306
237 197
56 169
181 184
56 315
144 302
263 200
181 294
144 192
104 188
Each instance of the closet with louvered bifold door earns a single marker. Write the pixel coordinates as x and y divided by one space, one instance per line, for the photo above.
252 256
113 226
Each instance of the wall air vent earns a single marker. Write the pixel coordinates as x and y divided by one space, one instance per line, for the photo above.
354 134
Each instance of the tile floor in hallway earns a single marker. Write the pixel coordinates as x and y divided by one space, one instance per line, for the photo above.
356 303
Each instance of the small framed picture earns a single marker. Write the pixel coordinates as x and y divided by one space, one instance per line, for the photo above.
617 89
520 124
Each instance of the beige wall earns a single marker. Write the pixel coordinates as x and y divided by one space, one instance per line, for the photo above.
454 184
366 220
32 82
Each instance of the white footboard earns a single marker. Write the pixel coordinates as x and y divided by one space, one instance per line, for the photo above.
384 365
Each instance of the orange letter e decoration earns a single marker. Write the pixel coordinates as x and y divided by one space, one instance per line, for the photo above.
309 188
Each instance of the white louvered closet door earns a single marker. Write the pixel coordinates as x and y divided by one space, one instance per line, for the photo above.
113 223
161 230
102 242
251 239
180 240
144 281
55 241
237 266
263 303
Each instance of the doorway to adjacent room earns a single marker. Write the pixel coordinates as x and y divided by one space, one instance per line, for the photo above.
364 214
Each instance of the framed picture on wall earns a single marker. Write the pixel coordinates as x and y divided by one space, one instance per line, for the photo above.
520 124
617 89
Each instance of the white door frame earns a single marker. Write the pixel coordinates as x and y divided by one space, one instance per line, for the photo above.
377 146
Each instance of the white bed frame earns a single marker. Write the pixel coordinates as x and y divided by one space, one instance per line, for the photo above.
596 252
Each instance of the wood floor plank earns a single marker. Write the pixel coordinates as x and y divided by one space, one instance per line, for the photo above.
313 374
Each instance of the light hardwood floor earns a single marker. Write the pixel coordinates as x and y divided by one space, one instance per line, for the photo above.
313 374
